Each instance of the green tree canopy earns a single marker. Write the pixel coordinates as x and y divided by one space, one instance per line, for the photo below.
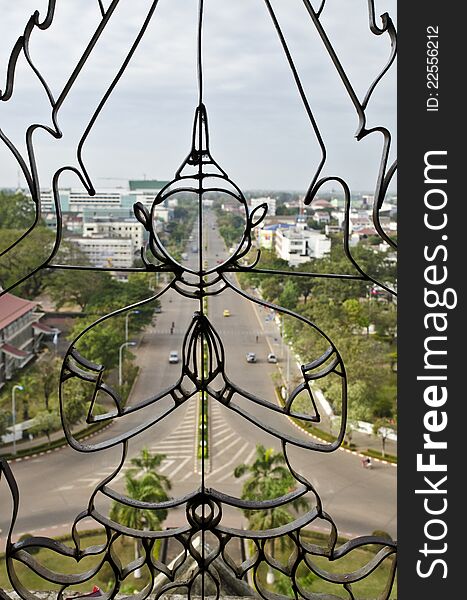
24 258
16 211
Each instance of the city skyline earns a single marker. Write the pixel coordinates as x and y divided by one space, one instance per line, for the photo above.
259 130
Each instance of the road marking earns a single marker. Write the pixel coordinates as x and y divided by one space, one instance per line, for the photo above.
224 439
219 429
233 459
227 448
181 465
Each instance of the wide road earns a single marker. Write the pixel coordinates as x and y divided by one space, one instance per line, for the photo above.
54 488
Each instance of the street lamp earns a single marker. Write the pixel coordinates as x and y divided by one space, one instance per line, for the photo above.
13 412
288 369
120 352
132 312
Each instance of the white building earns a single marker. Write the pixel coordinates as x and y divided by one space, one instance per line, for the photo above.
271 202
110 200
297 246
108 252
266 235
127 228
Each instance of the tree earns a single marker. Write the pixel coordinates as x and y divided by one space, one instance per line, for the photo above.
45 422
269 478
4 420
150 487
16 211
74 402
69 287
26 256
46 376
146 465
101 343
289 296
383 428
145 489
356 314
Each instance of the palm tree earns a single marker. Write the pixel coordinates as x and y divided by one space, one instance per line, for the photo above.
147 464
269 478
145 485
145 489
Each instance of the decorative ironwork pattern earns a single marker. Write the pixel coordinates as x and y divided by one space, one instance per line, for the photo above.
204 356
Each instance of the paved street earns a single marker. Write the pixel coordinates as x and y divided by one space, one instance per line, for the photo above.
55 488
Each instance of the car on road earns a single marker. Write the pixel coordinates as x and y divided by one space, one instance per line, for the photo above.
173 357
226 312
272 358
251 357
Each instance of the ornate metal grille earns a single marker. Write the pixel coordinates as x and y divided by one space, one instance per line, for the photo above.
203 363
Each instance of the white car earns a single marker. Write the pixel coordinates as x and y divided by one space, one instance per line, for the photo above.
272 358
251 357
173 357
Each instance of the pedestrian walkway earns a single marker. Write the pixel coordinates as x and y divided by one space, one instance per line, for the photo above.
227 448
179 448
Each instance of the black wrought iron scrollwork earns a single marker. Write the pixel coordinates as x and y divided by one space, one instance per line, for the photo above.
204 357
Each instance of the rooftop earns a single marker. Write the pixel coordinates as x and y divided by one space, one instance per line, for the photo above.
146 184
12 308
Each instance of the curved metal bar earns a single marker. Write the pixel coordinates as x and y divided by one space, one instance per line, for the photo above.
202 371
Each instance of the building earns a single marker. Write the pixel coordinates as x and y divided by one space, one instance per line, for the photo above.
322 217
117 252
101 227
298 245
267 235
271 203
110 200
21 333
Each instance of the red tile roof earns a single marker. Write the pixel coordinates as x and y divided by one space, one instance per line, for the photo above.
12 308
43 328
14 351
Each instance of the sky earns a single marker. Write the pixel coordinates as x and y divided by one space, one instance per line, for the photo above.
259 130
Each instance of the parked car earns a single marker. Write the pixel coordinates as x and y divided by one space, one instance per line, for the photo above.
251 357
272 358
173 357
226 312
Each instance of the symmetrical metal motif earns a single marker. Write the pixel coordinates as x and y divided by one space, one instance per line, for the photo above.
204 357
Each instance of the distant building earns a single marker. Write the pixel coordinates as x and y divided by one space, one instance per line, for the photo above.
151 186
114 228
271 203
267 235
109 200
296 245
21 332
322 217
108 252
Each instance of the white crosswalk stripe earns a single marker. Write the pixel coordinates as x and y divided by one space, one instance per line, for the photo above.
178 447
230 449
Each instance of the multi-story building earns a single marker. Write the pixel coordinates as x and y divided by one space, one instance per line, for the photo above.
271 203
115 228
20 334
297 245
108 200
267 235
106 252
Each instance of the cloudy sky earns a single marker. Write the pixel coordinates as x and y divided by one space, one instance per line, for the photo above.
260 132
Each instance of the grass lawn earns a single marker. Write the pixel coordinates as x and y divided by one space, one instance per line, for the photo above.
369 588
124 547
